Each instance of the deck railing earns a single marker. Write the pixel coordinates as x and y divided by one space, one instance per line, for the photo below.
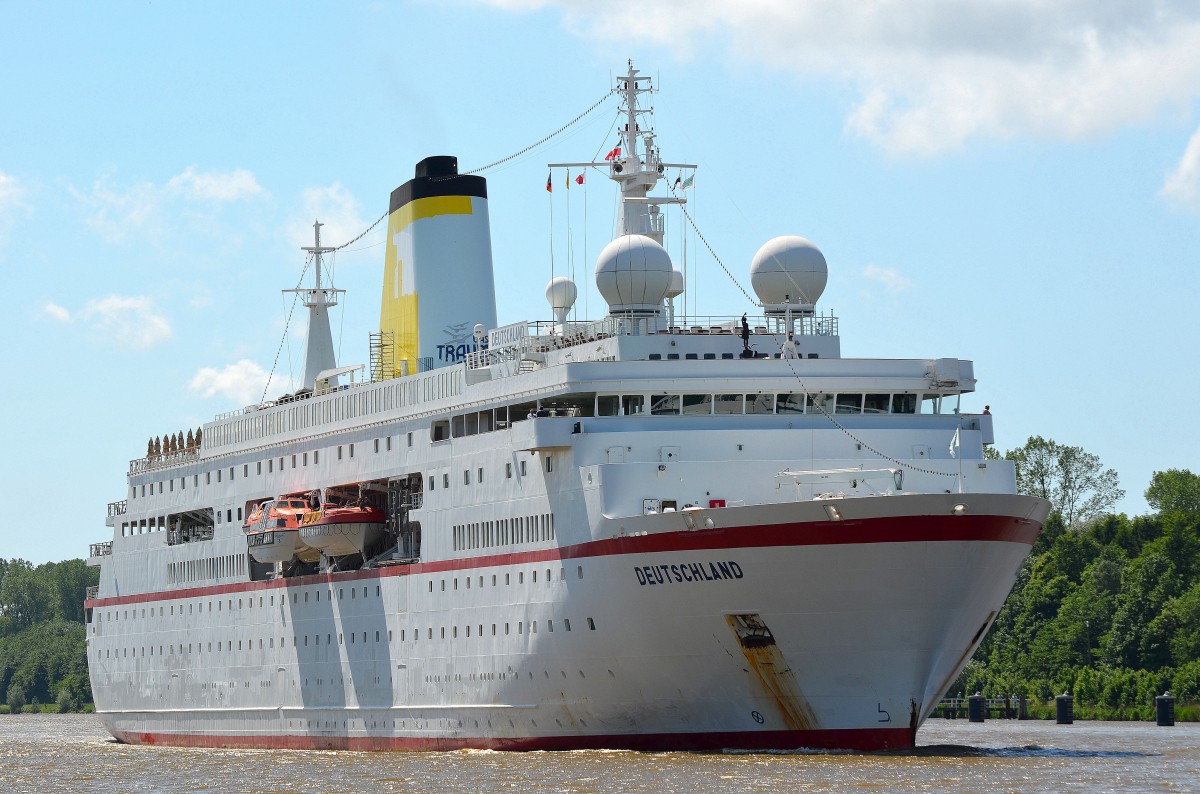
100 549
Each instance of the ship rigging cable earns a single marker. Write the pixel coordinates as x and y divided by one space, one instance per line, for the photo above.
502 161
287 323
792 367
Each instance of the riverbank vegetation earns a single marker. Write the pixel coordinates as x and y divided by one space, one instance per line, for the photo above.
1106 607
43 656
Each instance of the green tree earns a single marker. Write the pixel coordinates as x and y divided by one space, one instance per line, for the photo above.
1073 480
25 596
1174 490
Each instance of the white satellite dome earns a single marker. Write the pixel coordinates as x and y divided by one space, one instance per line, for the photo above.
676 287
560 294
789 269
633 274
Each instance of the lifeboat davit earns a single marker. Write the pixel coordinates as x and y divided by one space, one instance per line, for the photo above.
342 529
273 531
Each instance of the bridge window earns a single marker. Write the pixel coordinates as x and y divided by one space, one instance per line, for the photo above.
904 404
664 404
849 403
697 403
789 403
876 403
760 403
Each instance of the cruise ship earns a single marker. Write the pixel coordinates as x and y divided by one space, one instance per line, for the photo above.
643 531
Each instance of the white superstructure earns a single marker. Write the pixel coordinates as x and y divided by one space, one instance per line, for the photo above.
619 533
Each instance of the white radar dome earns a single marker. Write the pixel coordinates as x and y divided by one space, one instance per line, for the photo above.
633 274
676 288
561 293
789 269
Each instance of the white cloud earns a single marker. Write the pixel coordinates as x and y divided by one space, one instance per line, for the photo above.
931 74
117 211
56 312
215 186
892 280
339 212
127 321
243 382
1183 184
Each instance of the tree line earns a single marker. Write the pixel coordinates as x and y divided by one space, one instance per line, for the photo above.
43 649
1106 607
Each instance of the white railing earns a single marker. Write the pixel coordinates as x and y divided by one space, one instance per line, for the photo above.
100 549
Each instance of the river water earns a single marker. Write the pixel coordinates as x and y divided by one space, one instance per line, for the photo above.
45 753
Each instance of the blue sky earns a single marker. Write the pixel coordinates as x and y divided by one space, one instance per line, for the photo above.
1016 183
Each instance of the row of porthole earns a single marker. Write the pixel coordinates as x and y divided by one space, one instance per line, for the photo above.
110 615
170 649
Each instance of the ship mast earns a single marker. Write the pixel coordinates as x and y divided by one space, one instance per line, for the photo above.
635 173
319 355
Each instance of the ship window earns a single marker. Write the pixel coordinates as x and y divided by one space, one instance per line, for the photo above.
697 403
281 464
316 456
931 404
293 460
522 468
904 404
591 624
849 403
579 570
508 470
760 403
259 468
172 483
351 450
270 465
239 518
410 439
876 403
446 480
633 404
377 445
305 458
466 476
245 469
664 405
196 480
388 441
727 403
549 463
207 478
480 477
608 405
339 451
231 472
550 626
439 430
820 403
567 623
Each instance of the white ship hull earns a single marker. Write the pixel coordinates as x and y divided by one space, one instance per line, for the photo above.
871 617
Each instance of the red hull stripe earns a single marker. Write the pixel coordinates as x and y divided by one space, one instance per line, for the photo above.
863 739
893 529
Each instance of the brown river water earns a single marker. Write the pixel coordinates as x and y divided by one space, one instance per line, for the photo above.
72 753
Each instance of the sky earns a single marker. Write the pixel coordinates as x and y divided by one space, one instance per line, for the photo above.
1015 183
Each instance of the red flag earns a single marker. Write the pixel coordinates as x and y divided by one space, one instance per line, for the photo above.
549 187
579 179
